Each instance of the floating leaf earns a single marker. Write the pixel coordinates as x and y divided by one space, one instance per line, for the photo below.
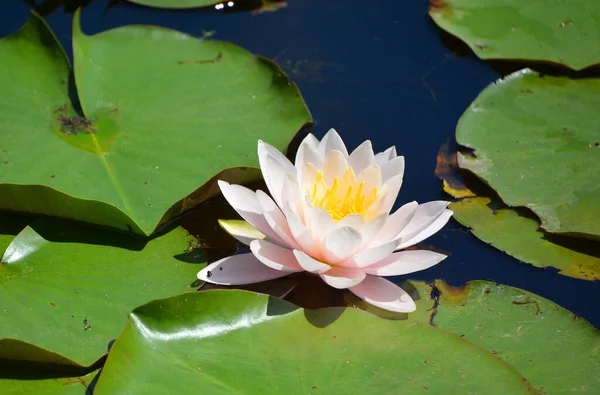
447 170
564 32
164 113
67 289
60 385
236 341
555 351
536 141
519 236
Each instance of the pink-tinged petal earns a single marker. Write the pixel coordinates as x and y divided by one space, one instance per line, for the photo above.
334 166
372 255
424 216
342 278
384 294
405 262
291 193
274 167
396 222
308 152
332 141
241 230
356 221
341 243
238 270
371 176
394 167
310 264
275 218
300 233
245 202
372 229
362 157
383 157
428 231
275 257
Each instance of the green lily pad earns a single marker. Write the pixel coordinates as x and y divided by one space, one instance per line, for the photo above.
230 341
536 141
44 386
163 114
67 288
520 237
564 32
555 351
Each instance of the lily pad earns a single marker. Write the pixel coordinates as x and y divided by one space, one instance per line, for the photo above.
564 32
162 113
555 351
519 236
67 288
230 341
536 141
45 386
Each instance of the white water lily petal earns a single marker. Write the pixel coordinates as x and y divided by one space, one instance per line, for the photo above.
394 167
341 243
342 278
383 157
291 192
274 167
371 176
239 270
241 230
332 141
310 264
355 221
384 294
362 157
433 228
245 202
275 218
396 222
393 188
405 262
372 255
372 229
300 233
334 166
318 222
274 256
308 152
424 216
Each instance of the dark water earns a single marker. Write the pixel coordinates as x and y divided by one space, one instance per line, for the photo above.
378 70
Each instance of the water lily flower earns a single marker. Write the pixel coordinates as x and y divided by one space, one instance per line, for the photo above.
330 215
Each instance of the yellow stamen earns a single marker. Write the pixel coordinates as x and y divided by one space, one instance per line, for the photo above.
329 197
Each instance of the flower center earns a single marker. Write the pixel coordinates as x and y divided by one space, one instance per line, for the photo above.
343 197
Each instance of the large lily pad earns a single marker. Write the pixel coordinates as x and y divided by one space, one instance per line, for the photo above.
45 386
519 236
555 351
536 141
564 32
67 289
163 113
224 341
